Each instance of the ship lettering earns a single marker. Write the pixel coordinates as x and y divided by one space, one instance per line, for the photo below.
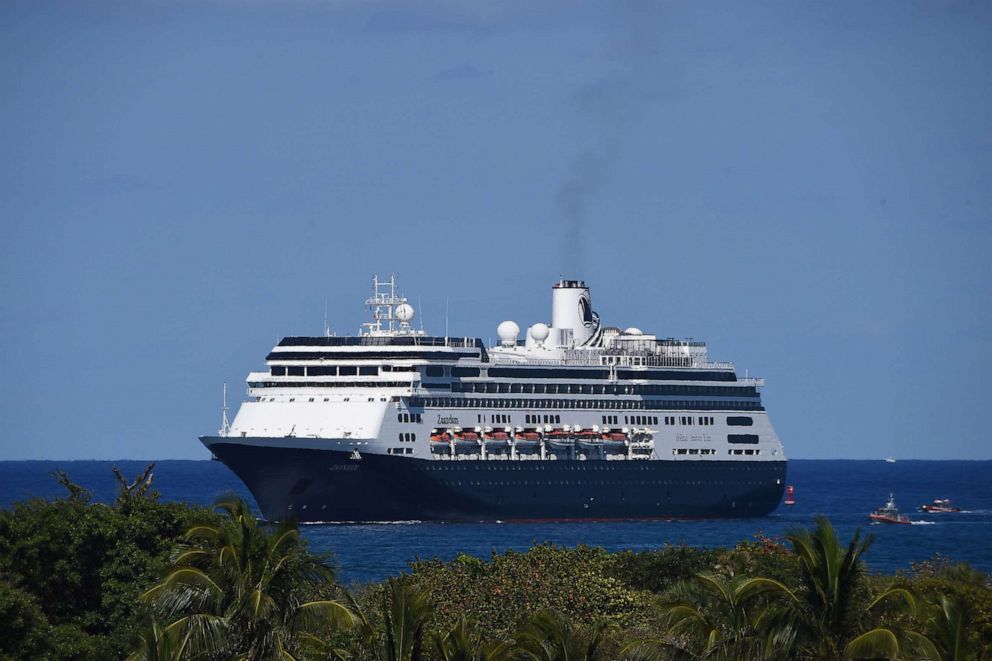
447 420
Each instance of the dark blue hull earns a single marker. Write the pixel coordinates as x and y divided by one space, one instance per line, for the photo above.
324 485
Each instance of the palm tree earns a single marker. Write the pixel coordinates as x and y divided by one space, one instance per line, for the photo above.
246 589
461 643
724 618
948 626
157 643
830 577
404 613
892 642
549 637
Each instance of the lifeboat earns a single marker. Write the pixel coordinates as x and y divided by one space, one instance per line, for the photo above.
527 439
940 505
440 436
889 513
559 438
614 439
467 439
588 437
496 439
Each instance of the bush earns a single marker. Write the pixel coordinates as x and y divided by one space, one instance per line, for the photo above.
83 566
499 594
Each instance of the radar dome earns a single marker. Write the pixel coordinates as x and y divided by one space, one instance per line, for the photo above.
404 312
508 332
633 331
539 332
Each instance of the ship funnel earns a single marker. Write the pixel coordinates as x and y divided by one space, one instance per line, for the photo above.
571 312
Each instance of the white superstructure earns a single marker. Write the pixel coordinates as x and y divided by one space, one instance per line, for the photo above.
571 389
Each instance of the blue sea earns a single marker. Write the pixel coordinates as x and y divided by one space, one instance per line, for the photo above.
845 491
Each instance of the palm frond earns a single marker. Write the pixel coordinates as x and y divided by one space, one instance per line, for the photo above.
878 643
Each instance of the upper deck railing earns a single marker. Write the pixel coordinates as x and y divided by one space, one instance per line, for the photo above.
383 341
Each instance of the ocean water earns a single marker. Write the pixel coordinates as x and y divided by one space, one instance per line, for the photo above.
845 491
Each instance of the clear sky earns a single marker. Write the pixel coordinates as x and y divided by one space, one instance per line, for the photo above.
805 185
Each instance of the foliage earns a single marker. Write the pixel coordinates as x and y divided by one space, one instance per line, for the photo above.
548 636
83 566
246 590
24 629
463 643
730 618
831 582
574 582
398 634
659 570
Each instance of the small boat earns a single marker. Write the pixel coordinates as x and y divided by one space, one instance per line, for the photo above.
940 505
440 436
497 440
526 441
890 460
889 513
467 440
614 440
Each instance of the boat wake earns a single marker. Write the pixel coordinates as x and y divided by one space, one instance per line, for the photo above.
923 523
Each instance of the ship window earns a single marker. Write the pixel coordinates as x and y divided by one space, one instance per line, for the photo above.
294 370
434 370
740 421
347 370
278 370
742 438
465 371
368 370
682 451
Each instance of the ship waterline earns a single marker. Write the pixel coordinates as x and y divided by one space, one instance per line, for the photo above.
576 421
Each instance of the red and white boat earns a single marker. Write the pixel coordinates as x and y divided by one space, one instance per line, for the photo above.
940 505
889 513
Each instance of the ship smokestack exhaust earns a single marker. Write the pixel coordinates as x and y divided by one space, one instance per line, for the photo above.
571 313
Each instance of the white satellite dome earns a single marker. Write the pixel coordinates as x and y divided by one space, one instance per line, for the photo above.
539 332
404 312
508 332
633 331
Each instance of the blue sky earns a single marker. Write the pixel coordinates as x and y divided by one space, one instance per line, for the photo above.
804 185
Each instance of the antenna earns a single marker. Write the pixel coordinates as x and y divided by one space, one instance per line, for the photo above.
445 318
327 329
224 426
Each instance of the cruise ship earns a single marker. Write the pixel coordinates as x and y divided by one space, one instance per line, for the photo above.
575 420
